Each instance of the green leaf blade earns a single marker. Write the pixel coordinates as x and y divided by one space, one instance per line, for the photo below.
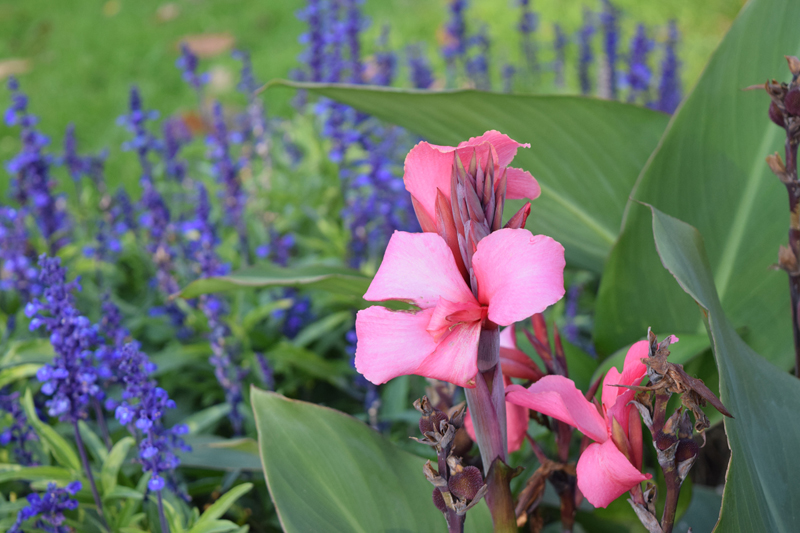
327 471
586 153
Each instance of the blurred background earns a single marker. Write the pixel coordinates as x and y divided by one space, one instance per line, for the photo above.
77 59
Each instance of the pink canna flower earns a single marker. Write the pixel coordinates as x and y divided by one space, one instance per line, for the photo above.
611 465
428 170
516 274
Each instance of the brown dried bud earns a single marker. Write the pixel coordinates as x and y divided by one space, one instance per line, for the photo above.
466 484
792 102
432 423
438 501
777 167
775 115
787 260
794 65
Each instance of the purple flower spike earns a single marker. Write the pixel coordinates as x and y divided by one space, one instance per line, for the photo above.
19 433
669 89
48 509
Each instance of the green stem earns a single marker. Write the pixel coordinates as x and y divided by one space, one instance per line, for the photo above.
85 460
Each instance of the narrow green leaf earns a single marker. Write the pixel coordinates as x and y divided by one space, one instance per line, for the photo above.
709 170
586 153
122 493
33 351
760 492
338 280
17 373
62 451
220 507
207 418
93 442
327 471
319 328
216 526
112 464
286 355
9 472
216 453
254 316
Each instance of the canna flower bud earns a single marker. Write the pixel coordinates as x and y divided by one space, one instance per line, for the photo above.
792 102
775 115
466 483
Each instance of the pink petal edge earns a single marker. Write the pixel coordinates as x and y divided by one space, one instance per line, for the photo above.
605 474
519 274
557 396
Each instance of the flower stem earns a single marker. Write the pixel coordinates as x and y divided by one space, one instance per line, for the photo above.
161 516
85 460
101 422
667 463
488 408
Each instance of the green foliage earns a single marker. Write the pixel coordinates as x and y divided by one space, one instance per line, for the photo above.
709 170
321 468
762 398
585 153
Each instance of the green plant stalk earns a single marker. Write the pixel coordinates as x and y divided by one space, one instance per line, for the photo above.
89 475
671 478
487 406
161 516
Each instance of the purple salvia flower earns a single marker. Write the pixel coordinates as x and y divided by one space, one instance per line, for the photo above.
353 25
143 141
176 135
226 171
419 67
255 119
122 213
48 509
299 314
609 20
76 165
31 184
188 65
71 379
586 54
314 39
559 47
19 433
477 65
669 89
141 411
203 248
455 29
508 78
267 375
17 270
385 61
639 74
527 26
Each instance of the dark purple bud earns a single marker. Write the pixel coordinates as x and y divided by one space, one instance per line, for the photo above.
432 423
792 102
775 115
466 484
687 449
438 500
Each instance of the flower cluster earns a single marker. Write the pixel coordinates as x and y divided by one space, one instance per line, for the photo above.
188 63
32 184
141 410
48 509
639 74
669 88
19 432
17 271
71 379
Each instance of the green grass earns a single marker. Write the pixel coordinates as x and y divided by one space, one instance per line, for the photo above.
84 54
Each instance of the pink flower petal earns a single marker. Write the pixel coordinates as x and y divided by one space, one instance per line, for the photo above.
633 370
456 357
508 337
505 146
605 474
391 343
447 314
610 393
428 167
518 274
557 396
419 268
521 184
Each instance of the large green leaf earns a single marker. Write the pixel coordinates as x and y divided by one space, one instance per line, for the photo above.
709 170
326 471
761 491
334 279
586 153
